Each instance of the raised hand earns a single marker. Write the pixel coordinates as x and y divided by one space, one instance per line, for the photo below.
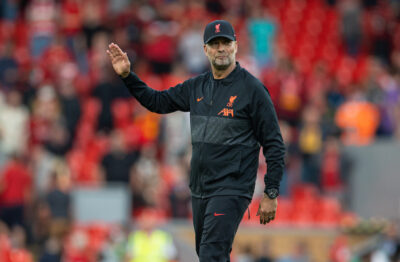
119 60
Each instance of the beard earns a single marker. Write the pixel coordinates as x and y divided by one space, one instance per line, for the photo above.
222 64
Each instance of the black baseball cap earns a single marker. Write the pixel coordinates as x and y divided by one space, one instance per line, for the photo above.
219 28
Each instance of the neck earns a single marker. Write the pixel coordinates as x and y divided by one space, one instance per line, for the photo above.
221 74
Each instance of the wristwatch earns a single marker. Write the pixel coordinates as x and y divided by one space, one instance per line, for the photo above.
272 193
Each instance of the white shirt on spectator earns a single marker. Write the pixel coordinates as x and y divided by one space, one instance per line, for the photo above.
13 129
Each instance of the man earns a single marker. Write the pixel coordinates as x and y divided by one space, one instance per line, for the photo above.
231 114
149 242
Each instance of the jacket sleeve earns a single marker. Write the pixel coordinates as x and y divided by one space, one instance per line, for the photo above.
162 102
267 131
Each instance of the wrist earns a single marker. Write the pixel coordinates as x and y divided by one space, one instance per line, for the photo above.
271 193
125 74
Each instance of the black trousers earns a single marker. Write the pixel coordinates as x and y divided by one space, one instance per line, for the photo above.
12 215
216 220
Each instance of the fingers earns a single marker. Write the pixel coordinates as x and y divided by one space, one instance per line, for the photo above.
114 50
109 54
266 217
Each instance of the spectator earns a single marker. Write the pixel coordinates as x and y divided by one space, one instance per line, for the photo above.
93 14
45 112
264 253
351 25
175 135
8 10
262 30
333 164
118 163
149 243
59 141
359 121
245 255
15 191
389 247
52 252
300 254
159 45
14 130
5 246
59 203
8 66
191 51
145 180
340 251
70 104
41 221
379 32
290 100
179 195
107 93
58 198
71 21
310 143
115 248
41 15
18 243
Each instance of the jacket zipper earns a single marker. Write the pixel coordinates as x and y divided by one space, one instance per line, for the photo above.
204 134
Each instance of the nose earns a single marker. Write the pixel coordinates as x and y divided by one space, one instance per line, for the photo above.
220 47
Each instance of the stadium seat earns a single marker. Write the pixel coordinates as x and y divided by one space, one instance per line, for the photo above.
304 191
328 212
90 110
284 212
121 110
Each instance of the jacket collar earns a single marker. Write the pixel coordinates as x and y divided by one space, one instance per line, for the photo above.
229 79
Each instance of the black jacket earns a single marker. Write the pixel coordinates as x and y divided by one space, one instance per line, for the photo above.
230 118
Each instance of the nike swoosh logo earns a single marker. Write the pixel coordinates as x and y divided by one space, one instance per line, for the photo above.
216 214
199 99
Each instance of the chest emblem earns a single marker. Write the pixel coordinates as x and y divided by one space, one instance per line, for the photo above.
231 101
228 111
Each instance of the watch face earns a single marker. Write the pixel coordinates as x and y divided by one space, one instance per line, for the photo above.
272 193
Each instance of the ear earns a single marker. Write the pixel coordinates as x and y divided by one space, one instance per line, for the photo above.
205 49
236 46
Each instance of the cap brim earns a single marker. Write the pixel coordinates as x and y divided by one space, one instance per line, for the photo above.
216 36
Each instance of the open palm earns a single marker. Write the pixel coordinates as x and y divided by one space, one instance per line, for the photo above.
119 60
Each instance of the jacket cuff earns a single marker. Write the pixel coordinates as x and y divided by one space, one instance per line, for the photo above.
127 78
271 184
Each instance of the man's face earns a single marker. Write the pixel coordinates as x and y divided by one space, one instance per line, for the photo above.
221 52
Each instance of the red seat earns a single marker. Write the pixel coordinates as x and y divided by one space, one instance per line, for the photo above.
284 212
97 235
75 158
5 248
303 211
90 110
20 255
97 147
304 191
85 132
328 212
121 110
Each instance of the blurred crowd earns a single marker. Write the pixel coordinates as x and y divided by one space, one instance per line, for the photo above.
66 120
